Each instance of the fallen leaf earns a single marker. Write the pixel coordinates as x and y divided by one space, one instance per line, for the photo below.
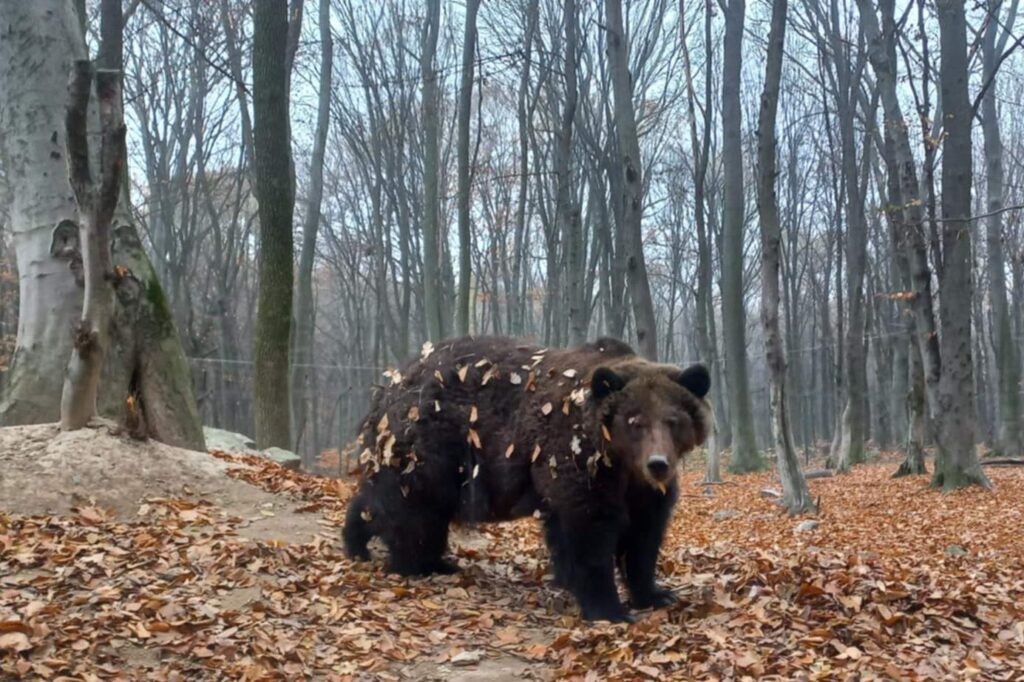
16 642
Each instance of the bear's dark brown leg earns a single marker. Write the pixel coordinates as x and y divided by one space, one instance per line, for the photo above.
358 529
649 513
418 543
583 551
410 517
556 548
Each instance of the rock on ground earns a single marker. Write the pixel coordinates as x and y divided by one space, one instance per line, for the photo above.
240 444
46 471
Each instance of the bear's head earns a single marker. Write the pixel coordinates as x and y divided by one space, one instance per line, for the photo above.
651 415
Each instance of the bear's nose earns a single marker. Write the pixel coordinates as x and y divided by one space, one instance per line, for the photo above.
658 466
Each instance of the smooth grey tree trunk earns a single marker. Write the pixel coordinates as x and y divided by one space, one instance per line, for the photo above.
701 149
517 301
146 359
795 495
745 456
1008 435
853 422
431 169
464 171
565 192
275 194
957 462
96 199
304 304
633 185
927 356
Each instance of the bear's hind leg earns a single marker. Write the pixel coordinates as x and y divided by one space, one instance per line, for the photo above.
556 549
417 541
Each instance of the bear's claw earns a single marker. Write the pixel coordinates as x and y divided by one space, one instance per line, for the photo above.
658 598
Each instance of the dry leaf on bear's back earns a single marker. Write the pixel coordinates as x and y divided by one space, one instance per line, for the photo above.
481 362
427 349
382 425
515 379
414 413
605 433
473 414
474 438
509 450
531 381
569 374
536 453
463 371
546 409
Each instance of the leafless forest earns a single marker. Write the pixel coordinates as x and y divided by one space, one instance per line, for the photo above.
821 201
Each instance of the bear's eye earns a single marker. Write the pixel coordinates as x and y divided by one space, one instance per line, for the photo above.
635 421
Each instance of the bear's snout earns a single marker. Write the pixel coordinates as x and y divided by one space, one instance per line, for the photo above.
657 465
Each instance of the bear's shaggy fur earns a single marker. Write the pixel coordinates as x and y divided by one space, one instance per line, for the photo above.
491 429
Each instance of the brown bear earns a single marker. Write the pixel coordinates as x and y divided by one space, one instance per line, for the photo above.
491 429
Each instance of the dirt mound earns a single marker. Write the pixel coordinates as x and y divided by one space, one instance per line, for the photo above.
46 471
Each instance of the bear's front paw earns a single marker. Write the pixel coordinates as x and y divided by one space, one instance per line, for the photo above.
445 567
616 613
657 597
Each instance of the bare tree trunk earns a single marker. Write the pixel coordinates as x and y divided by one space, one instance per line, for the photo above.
565 193
853 423
957 463
304 308
464 191
882 53
42 203
1008 439
516 302
431 169
795 495
633 186
145 356
275 193
700 147
96 203
745 456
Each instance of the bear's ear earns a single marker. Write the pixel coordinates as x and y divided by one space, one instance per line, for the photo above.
696 380
604 382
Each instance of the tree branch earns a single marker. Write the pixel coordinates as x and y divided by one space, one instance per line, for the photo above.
108 92
76 127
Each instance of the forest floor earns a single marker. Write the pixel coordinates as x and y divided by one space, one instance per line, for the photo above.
210 577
